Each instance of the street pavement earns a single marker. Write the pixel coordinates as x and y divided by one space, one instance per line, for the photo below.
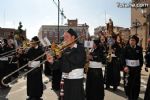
18 90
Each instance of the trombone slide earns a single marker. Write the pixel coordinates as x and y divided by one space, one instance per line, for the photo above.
7 76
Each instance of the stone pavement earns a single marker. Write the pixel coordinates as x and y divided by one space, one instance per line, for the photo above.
18 90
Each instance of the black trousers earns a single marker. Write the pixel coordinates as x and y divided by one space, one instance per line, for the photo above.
95 84
147 93
132 89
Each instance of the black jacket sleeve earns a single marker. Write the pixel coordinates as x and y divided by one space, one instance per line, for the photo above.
76 58
141 57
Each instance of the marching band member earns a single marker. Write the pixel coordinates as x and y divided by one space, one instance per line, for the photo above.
5 45
13 65
103 44
113 69
5 68
133 61
34 78
56 78
22 58
95 82
71 63
147 59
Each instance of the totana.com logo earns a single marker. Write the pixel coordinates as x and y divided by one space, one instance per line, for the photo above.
132 5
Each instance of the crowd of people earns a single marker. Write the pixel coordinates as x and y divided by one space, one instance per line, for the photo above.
67 67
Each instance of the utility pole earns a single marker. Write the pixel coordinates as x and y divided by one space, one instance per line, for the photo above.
58 20
63 16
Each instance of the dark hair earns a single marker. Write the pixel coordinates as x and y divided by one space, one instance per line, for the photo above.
5 41
104 37
96 42
121 41
72 32
35 39
134 37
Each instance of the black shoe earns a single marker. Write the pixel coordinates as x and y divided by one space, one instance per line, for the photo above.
34 98
28 98
115 88
107 87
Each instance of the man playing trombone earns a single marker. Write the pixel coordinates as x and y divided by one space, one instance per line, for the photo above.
71 62
34 78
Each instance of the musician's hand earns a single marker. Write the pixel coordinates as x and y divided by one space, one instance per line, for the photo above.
58 55
17 55
49 58
90 57
146 69
20 50
126 69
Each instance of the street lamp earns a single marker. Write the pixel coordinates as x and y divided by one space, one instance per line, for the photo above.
136 24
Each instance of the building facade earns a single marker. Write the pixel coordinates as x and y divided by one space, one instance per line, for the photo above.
140 20
51 31
6 33
100 29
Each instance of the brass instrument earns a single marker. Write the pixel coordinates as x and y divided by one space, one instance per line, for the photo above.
57 49
25 45
4 78
7 54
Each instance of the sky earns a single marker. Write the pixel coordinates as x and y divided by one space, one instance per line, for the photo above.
35 13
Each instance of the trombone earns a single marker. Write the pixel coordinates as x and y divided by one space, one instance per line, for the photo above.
9 75
57 49
8 53
4 78
25 45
